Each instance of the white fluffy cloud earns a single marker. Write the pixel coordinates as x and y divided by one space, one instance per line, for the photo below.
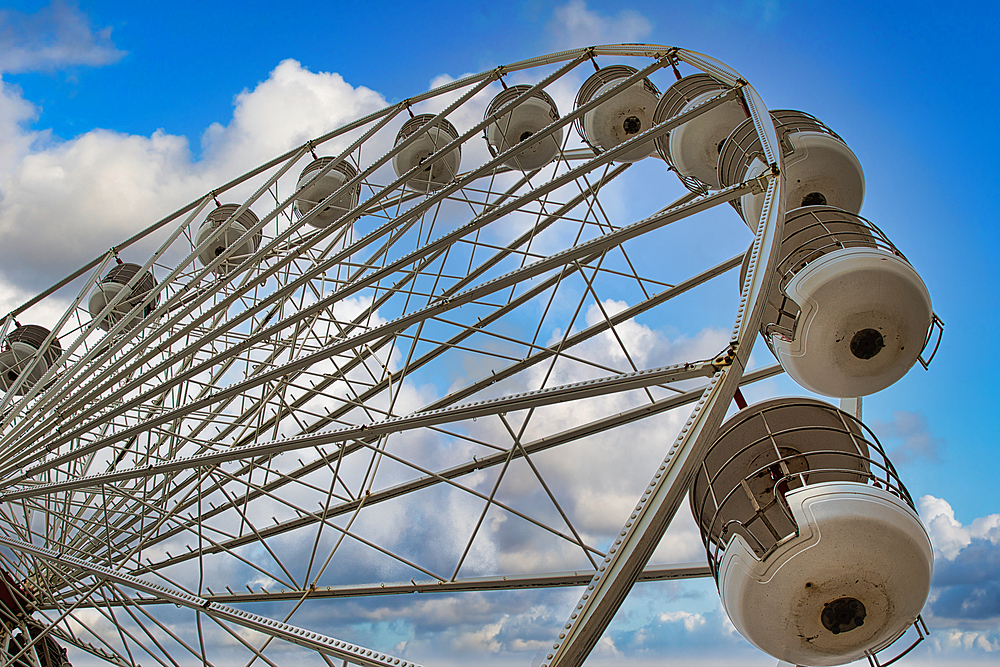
14 112
948 535
964 606
65 202
574 24
287 109
56 36
87 193
690 621
957 639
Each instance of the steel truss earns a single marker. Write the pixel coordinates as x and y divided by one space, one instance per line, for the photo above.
356 410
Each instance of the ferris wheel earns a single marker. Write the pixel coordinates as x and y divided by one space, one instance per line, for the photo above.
420 354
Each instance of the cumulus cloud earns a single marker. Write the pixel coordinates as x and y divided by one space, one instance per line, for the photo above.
15 111
689 620
501 627
64 202
599 498
103 185
56 36
308 104
965 641
574 24
966 583
685 633
948 534
595 498
432 528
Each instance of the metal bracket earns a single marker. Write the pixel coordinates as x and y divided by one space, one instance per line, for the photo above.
759 183
936 322
725 358
922 633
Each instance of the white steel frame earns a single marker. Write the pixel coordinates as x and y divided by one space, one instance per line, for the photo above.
172 432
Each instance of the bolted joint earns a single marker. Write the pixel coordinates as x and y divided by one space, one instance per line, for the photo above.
725 358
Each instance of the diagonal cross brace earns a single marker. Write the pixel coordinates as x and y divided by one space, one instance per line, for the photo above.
530 399
312 640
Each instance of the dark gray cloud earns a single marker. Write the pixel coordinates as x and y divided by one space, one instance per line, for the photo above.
969 603
56 36
969 586
978 563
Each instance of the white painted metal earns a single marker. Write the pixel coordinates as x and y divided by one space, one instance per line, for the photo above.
819 167
259 427
356 654
20 358
656 508
127 284
528 117
626 110
692 146
817 549
430 137
854 541
852 406
843 296
26 353
230 237
315 188
693 149
848 316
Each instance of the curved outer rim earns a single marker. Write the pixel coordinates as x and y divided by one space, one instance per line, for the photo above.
666 491
706 64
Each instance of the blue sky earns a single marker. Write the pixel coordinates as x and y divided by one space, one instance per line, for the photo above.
910 86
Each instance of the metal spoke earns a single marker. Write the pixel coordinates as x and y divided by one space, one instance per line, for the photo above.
319 408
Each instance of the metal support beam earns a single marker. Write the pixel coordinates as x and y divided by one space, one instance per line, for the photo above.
553 262
312 640
531 399
455 472
655 509
432 586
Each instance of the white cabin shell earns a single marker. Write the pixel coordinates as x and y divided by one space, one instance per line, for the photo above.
626 112
818 552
